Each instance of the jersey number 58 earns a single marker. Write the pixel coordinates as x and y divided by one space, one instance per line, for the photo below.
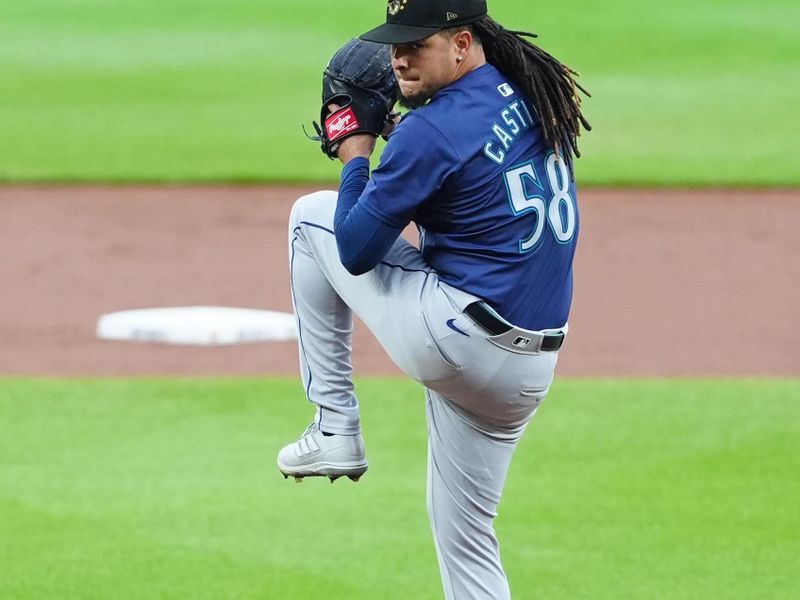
558 211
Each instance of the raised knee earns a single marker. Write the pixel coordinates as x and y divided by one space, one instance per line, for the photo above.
317 207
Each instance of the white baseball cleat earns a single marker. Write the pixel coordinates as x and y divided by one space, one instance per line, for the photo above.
319 455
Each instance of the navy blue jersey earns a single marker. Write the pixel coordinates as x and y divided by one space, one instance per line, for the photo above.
496 208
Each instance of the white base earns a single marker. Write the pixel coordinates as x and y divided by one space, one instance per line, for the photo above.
197 325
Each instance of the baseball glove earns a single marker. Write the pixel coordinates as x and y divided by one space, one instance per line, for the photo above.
359 79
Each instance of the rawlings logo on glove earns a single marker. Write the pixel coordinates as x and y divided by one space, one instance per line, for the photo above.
359 80
340 123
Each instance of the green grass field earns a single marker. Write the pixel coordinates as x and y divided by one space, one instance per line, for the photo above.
151 489
175 90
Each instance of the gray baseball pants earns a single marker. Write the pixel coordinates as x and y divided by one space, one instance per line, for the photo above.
480 394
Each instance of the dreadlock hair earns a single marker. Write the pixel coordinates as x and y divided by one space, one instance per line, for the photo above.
549 84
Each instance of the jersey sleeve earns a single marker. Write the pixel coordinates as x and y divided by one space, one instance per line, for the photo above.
415 163
362 239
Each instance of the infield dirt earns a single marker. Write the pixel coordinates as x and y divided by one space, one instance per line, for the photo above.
668 283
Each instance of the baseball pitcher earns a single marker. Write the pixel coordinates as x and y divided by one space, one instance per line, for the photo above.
482 163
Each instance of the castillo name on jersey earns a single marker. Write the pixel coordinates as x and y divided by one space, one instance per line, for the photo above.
515 118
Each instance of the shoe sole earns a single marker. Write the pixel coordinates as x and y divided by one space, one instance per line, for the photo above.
333 471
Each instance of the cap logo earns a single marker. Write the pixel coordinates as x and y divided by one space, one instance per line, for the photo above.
395 6
451 16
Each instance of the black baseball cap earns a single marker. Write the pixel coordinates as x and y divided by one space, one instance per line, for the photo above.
413 20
